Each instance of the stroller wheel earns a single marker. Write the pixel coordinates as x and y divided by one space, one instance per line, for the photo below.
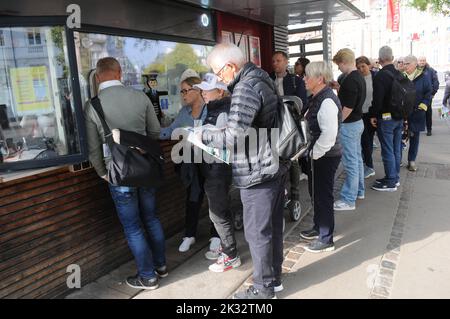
295 210
238 222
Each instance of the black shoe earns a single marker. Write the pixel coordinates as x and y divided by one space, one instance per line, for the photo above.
317 247
253 293
429 133
384 187
309 234
277 285
141 283
162 272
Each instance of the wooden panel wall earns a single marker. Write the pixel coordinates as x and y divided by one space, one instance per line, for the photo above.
54 219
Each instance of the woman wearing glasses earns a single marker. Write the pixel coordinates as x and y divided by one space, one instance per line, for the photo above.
193 112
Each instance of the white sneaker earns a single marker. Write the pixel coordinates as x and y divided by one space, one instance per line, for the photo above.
214 243
225 263
214 249
341 205
186 244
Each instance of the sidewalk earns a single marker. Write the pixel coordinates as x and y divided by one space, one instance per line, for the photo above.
189 276
394 245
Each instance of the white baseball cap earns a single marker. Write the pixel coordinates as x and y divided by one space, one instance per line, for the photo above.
211 82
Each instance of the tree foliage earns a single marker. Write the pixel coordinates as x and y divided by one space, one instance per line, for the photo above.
182 54
436 6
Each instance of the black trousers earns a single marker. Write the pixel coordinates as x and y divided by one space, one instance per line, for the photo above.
367 141
321 178
429 117
193 210
217 189
263 226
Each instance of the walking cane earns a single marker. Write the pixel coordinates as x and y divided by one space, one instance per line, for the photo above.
312 179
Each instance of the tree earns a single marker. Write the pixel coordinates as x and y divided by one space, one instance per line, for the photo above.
436 6
182 54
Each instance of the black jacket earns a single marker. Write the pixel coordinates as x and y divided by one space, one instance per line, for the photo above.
382 89
315 103
293 85
215 108
432 75
254 104
217 172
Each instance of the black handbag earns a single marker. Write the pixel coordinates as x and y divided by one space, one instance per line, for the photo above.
137 161
293 141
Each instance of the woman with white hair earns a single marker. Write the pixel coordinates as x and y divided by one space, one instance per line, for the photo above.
324 117
417 120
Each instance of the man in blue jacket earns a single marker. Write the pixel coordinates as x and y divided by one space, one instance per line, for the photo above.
433 78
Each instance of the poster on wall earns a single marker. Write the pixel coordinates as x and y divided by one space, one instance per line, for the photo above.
241 40
255 52
227 37
31 89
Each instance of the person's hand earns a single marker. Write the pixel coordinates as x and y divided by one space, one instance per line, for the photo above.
373 121
116 135
105 177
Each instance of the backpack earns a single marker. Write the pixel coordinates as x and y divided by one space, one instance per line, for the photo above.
293 140
403 96
129 166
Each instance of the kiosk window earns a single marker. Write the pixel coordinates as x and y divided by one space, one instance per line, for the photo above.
37 113
142 60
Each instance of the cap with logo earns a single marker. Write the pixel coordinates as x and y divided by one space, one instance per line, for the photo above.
211 82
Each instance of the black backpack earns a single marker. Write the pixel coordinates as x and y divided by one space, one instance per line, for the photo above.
403 95
293 140
129 166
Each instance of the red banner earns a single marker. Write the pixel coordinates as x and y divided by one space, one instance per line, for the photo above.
393 15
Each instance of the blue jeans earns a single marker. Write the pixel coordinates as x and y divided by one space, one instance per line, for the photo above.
390 136
413 146
352 161
136 209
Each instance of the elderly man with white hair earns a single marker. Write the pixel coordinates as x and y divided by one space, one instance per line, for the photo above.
256 170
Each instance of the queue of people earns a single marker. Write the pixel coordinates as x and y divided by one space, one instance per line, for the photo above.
236 97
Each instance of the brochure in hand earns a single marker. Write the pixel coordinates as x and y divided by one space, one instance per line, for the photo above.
194 134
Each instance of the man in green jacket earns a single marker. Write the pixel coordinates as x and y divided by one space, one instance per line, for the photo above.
131 110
